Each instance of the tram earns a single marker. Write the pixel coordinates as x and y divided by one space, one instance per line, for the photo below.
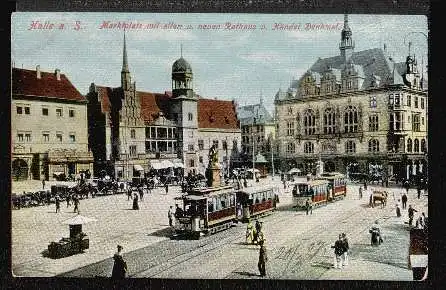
255 202
316 190
206 211
337 184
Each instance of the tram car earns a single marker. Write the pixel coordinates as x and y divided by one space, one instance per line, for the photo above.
206 211
337 184
316 190
255 202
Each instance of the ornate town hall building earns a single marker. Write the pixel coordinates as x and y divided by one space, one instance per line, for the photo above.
132 132
359 111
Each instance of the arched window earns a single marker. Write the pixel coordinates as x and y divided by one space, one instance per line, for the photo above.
351 119
373 145
329 121
350 147
309 148
423 146
309 122
416 146
409 145
190 116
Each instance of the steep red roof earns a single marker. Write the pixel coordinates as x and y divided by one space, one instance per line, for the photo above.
152 104
104 98
217 114
25 82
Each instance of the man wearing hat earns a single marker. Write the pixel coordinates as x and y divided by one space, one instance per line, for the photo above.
263 258
119 266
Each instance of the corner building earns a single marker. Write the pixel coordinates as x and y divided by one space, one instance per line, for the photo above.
359 111
132 132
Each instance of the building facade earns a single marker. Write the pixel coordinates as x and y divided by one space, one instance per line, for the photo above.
258 131
132 132
357 112
48 126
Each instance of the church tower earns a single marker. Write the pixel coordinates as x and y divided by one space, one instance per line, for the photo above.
347 44
185 112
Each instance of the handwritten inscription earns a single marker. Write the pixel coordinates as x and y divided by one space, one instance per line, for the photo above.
47 25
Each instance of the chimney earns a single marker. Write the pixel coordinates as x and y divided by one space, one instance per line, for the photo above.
57 72
38 71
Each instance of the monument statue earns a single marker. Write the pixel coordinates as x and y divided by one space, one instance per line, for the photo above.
213 170
213 157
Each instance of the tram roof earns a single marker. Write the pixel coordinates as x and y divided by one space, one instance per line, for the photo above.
332 175
312 182
201 193
254 189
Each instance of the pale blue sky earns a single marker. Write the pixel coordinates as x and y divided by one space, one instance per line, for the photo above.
227 64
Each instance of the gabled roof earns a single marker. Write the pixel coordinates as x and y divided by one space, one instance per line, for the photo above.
104 97
25 82
152 104
247 114
217 114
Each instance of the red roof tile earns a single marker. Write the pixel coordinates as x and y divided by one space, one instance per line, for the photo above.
25 82
104 98
152 104
217 114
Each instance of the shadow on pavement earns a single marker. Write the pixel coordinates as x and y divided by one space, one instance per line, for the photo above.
323 265
247 274
166 232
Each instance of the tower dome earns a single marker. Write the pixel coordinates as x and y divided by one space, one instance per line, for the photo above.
181 66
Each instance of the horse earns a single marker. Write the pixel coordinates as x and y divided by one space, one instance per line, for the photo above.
380 196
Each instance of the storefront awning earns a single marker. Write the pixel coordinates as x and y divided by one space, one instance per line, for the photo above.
58 173
155 164
138 167
178 165
166 164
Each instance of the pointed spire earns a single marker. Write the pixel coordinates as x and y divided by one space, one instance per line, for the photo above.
261 98
345 20
125 66
181 50
410 45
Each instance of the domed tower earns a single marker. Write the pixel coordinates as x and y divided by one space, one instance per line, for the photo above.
182 79
184 109
347 44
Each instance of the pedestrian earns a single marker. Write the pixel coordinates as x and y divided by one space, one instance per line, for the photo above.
245 182
404 200
309 206
371 199
263 258
411 212
76 204
170 216
141 193
249 233
178 211
43 183
166 186
57 204
365 185
419 191
338 251
346 249
360 192
129 193
68 200
375 238
135 202
407 185
398 210
258 229
119 265
425 221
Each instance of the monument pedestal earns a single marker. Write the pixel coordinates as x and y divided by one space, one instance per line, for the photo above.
215 177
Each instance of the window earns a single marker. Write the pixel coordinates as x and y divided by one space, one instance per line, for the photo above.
27 110
20 137
416 123
290 111
329 121
416 102
423 145
45 111
133 134
391 99
422 103
191 163
132 150
200 144
46 137
416 146
290 128
373 123
59 137
422 121
28 137
349 84
372 101
291 148
200 159
409 100
190 147
19 110
59 112
309 148
190 117
351 119
225 145
71 113
373 145
72 138
350 147
397 100
409 145
309 122
215 143
396 121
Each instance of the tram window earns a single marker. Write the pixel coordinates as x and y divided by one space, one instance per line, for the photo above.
216 204
232 200
223 201
210 205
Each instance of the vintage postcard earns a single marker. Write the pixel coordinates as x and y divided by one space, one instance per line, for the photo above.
219 146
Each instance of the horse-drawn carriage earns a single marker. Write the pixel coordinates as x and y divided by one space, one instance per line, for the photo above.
380 196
